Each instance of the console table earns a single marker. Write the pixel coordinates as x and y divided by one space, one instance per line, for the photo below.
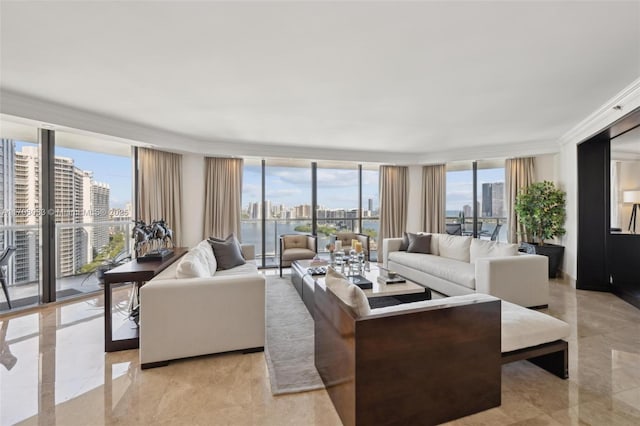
126 336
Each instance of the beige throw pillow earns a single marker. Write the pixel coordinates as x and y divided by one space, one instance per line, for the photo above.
350 294
192 265
488 249
454 247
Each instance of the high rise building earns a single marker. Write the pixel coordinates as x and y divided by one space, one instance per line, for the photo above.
467 210
77 200
27 204
370 204
7 197
493 199
96 210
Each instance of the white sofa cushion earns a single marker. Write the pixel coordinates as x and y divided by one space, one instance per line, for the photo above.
448 269
523 328
350 294
249 267
489 249
193 265
454 247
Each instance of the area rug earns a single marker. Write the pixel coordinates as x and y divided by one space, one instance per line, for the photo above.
289 346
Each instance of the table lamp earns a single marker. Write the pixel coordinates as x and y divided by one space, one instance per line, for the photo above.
632 197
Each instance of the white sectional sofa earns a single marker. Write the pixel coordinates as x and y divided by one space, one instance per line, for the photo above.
221 311
460 265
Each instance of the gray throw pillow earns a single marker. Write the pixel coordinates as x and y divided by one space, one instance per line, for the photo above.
230 237
227 252
419 243
405 242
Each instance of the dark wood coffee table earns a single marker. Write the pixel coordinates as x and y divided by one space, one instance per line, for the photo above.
379 296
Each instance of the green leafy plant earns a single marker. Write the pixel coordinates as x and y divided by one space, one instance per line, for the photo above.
541 210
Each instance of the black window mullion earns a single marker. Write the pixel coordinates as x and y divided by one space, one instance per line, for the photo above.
48 205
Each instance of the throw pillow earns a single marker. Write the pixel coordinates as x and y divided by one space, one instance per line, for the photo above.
192 266
405 242
207 252
489 249
454 247
350 294
228 253
419 243
231 236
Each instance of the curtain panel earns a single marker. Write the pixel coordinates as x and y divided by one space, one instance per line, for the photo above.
393 203
519 174
434 188
160 189
223 197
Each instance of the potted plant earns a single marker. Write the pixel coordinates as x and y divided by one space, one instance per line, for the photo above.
541 211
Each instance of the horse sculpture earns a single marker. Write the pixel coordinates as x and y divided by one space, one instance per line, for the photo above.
151 237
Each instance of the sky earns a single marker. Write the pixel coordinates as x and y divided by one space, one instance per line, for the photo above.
291 186
111 169
460 186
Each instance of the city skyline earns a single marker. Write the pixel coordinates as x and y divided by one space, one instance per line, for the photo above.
112 169
291 186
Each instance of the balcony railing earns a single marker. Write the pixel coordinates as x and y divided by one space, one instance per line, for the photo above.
486 225
251 233
82 250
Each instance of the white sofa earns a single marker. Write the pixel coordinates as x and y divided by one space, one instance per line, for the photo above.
185 317
460 265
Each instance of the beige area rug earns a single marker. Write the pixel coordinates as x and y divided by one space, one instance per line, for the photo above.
289 346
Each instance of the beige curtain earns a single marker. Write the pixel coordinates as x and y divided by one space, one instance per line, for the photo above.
434 188
160 189
519 173
393 203
222 197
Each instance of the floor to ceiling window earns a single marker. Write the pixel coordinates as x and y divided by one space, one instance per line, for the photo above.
490 192
338 206
277 199
84 204
251 216
21 214
371 206
489 198
93 203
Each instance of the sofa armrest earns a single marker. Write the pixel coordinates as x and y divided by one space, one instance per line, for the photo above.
521 279
194 316
390 245
248 251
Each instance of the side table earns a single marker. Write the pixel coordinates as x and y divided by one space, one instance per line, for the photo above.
126 336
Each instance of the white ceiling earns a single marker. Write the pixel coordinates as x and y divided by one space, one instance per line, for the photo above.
372 77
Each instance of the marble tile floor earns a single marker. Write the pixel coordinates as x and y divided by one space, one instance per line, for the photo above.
54 372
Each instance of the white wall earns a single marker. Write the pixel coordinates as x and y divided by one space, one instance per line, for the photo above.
193 174
545 167
414 205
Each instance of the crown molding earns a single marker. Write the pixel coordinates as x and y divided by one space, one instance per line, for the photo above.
520 149
628 99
